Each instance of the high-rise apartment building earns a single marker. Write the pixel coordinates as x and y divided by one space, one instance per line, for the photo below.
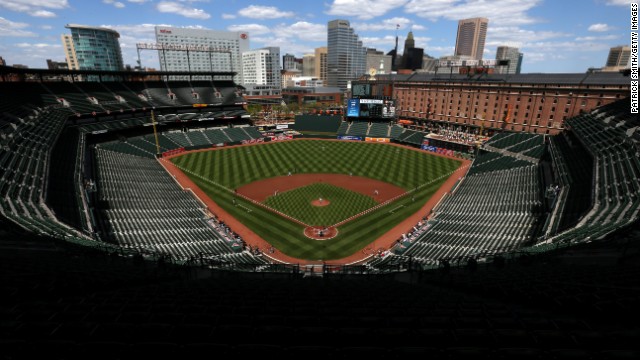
471 37
208 50
619 58
346 57
321 63
92 48
510 54
262 67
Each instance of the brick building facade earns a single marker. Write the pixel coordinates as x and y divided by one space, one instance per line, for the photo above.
536 103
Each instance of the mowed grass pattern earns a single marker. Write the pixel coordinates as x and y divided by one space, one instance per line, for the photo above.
216 172
343 204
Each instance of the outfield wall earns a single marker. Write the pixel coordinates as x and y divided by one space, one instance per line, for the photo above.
320 123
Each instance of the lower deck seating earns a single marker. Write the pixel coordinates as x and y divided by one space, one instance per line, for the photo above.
142 207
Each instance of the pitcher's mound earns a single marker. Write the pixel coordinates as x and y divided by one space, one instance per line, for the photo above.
320 202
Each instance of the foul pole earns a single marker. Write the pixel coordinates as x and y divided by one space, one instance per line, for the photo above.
155 132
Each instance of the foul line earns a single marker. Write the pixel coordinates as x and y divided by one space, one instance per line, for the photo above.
240 195
396 208
385 203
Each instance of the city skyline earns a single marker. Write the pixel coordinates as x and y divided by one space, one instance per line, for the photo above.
566 36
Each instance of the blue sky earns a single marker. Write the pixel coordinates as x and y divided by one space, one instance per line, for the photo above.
554 35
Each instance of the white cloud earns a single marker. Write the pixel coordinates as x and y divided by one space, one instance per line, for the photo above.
518 37
595 38
503 12
37 45
228 16
388 24
35 7
264 12
46 27
599 27
138 1
252 29
117 4
286 45
619 2
302 30
363 9
12 28
43 14
179 9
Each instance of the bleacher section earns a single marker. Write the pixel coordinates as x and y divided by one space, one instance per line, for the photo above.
532 146
396 131
504 216
358 128
412 137
488 161
142 207
343 128
378 130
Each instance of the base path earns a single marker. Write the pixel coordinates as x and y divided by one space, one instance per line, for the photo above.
260 190
385 241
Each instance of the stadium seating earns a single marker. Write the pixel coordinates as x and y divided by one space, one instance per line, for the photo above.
412 137
505 216
129 299
23 160
378 130
143 208
616 200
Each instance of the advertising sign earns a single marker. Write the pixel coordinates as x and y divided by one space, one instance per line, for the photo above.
353 107
349 137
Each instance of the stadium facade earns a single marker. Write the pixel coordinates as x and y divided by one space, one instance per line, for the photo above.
536 103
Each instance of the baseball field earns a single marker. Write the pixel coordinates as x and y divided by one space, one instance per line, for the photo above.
278 189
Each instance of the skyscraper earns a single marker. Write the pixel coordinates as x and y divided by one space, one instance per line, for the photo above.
618 59
471 37
346 57
321 63
229 45
92 48
411 56
262 67
510 54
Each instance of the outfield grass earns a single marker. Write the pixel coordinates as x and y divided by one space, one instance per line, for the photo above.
297 204
217 172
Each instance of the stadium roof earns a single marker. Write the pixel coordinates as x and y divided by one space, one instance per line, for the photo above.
6 70
597 78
